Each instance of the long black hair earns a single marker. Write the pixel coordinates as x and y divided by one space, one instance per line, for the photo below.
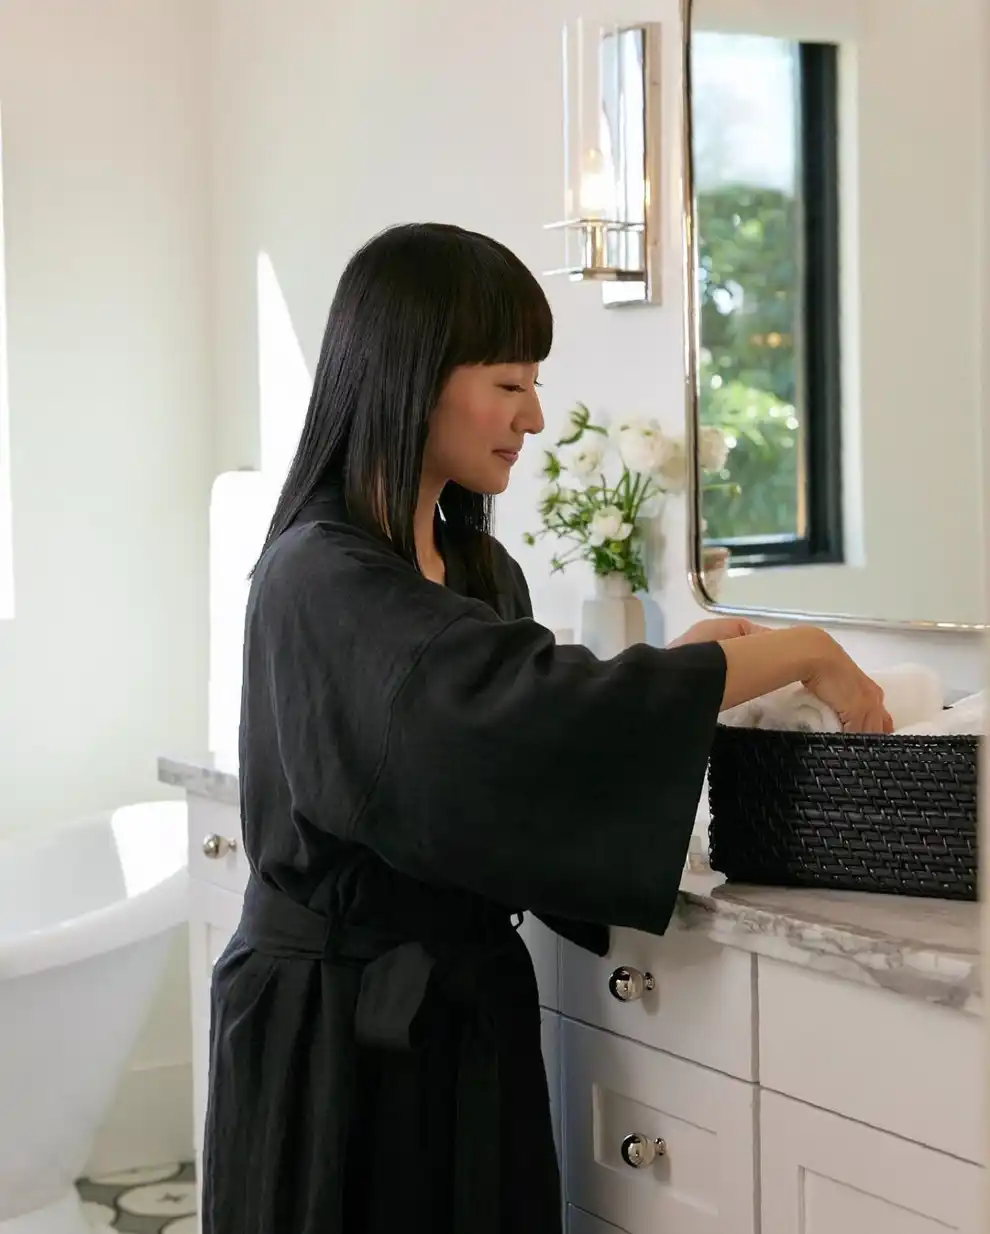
412 304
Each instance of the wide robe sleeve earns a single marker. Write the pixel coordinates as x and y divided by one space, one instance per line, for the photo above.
543 778
515 602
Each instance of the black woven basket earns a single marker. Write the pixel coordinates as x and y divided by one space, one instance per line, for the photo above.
851 812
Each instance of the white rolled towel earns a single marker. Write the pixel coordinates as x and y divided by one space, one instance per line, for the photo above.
912 694
792 709
967 717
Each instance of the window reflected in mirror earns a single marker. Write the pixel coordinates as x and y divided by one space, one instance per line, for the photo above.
767 204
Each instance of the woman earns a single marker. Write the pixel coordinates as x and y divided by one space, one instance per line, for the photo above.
420 763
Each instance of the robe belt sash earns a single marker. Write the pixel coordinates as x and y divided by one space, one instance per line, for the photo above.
392 1012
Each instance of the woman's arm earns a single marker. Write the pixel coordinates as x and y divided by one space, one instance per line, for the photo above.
715 629
763 662
760 660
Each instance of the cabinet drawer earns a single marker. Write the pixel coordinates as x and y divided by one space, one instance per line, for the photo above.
701 1007
824 1173
215 852
614 1089
820 1036
583 1223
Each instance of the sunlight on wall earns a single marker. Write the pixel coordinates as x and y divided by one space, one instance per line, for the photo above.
242 503
283 377
241 506
6 528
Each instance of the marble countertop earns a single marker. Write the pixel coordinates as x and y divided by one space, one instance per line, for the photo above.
211 776
924 949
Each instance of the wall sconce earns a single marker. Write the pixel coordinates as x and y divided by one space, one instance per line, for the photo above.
611 224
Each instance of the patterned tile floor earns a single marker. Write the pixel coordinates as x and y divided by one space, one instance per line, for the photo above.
155 1200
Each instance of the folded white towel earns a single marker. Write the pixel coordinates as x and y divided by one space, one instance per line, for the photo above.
912 694
792 709
968 716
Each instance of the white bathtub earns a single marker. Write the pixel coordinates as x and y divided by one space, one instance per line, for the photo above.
85 914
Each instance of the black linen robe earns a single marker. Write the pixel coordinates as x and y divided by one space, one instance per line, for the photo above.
416 767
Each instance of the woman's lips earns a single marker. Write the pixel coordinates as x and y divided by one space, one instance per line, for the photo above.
510 456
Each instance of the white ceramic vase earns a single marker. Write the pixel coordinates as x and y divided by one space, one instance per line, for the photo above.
612 619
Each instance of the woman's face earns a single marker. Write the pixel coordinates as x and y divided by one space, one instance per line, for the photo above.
479 424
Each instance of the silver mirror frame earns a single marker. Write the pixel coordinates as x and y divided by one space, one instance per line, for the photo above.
692 325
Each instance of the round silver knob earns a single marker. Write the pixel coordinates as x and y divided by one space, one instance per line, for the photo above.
641 1150
628 984
218 846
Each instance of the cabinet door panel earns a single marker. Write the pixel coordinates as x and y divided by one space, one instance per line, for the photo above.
823 1174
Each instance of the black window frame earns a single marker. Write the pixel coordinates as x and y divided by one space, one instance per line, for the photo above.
820 328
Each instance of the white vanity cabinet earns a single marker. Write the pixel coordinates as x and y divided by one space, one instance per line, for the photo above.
658 1051
860 1111
723 1079
871 1112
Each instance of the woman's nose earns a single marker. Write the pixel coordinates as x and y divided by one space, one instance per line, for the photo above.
530 418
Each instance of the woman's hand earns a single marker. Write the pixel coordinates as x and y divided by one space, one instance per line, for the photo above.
855 698
715 629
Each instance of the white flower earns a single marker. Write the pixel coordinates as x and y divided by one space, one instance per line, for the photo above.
584 459
672 471
626 424
642 447
713 448
549 493
607 526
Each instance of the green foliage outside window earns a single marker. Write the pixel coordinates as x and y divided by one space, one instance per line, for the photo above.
749 283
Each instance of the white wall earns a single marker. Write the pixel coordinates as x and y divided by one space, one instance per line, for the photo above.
910 185
106 177
106 168
333 121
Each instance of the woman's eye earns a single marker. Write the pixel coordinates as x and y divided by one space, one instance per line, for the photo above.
512 389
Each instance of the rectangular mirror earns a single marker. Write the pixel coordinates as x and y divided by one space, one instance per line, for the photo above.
834 303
